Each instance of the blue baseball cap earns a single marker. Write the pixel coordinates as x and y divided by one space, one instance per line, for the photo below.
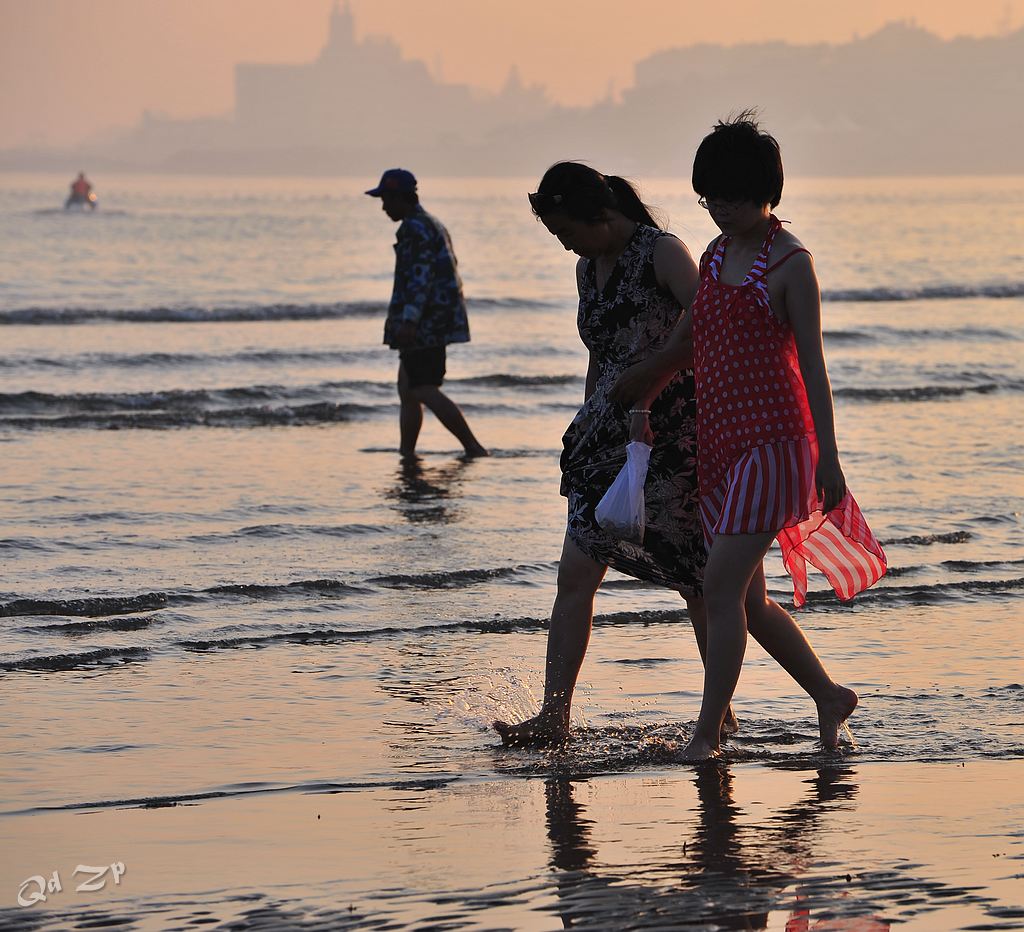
394 180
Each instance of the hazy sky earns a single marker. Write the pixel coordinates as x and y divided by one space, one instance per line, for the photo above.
71 67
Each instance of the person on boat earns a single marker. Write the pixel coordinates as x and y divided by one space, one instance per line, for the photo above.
81 193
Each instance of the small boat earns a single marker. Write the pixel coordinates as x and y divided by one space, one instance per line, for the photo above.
81 202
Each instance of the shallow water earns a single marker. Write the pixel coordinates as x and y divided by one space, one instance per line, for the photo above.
219 578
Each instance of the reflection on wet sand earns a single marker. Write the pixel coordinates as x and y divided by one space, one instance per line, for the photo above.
723 876
425 494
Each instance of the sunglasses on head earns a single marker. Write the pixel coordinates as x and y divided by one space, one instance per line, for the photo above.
543 203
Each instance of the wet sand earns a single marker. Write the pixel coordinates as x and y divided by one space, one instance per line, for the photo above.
924 846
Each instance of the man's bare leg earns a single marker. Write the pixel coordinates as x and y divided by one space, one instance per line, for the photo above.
448 413
410 415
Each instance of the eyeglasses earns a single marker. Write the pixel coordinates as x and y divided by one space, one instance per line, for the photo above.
720 203
543 203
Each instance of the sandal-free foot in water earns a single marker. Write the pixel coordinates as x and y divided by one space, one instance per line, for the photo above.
696 751
541 731
833 712
549 730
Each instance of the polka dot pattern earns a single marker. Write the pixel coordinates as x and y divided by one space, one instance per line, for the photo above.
749 388
757 449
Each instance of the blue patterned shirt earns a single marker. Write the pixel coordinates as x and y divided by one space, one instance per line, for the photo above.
427 289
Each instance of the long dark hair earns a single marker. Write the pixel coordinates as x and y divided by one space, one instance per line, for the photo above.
583 192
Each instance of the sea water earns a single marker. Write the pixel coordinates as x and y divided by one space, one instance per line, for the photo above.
219 577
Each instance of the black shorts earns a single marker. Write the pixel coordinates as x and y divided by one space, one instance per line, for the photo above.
423 366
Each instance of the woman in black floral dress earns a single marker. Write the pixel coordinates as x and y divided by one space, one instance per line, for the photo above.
634 281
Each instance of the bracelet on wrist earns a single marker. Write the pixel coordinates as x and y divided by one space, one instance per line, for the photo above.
639 410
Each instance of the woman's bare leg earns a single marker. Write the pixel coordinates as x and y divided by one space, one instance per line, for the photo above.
780 635
568 636
697 611
732 562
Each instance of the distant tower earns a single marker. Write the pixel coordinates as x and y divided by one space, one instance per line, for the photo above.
342 32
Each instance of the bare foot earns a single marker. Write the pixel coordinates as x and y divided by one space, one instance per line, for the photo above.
832 714
537 732
475 451
696 751
730 725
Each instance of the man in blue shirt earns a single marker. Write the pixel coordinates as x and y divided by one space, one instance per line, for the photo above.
426 313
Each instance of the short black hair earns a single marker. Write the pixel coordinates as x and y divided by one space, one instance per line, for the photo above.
736 161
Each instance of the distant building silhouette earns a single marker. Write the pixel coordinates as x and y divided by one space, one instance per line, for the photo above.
366 93
899 101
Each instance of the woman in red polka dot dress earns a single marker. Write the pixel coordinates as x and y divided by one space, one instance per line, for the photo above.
768 464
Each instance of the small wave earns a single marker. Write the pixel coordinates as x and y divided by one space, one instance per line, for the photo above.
93 361
967 566
245 789
175 399
321 412
456 579
926 540
848 336
62 316
511 302
15 405
25 543
89 607
921 392
497 453
304 530
902 334
315 636
97 626
926 292
496 625
988 334
505 380
332 587
893 571
1013 691
53 316
58 662
928 594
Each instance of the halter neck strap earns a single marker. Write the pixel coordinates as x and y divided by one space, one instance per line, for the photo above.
759 270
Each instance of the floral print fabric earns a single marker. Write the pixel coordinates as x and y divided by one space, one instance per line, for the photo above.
620 324
427 290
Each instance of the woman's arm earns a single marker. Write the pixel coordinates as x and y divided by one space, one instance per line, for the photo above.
677 273
642 382
802 299
593 371
593 367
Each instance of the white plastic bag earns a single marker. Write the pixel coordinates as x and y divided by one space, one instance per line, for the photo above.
621 511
